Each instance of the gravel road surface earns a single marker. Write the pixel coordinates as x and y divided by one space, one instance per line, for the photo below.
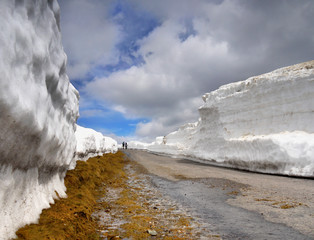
235 204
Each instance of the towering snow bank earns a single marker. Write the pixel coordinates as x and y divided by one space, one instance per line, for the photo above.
139 145
262 124
91 143
38 111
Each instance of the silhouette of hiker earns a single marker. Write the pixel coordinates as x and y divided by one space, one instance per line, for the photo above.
126 145
123 145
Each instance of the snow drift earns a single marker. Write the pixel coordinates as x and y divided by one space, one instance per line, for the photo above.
39 109
91 143
261 124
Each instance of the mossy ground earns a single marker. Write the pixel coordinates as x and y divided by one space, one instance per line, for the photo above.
110 186
71 217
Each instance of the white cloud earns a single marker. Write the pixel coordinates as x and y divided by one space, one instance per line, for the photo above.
229 41
171 73
91 113
185 111
167 87
119 139
89 36
120 109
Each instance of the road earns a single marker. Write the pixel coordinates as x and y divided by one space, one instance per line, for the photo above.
236 204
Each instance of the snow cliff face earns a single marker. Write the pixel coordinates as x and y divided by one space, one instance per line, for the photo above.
38 111
177 142
91 143
261 124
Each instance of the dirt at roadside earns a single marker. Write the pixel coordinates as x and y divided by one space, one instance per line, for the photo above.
137 210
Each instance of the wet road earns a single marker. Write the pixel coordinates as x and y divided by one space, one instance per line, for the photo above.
236 205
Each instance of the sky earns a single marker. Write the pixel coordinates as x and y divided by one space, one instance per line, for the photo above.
142 66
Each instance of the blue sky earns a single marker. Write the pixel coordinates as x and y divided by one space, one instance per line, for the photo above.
133 25
141 67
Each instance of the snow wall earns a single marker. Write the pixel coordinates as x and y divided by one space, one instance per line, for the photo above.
262 124
91 143
38 112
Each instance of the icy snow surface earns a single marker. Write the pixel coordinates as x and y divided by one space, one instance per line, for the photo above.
91 143
38 108
262 124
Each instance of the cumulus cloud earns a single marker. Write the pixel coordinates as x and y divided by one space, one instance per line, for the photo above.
197 47
89 35
162 124
167 83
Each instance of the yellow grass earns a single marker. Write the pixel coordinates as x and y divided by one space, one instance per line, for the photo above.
70 218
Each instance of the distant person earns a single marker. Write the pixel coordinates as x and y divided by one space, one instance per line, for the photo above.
123 145
126 145
164 140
